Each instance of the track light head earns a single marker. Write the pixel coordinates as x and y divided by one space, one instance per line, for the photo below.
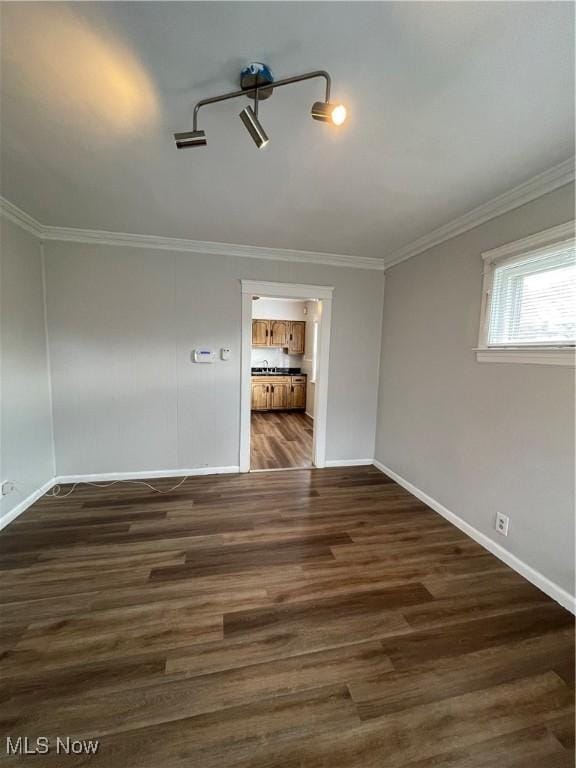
329 113
190 139
250 120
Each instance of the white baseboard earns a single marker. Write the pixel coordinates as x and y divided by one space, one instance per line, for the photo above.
27 502
144 475
108 477
349 462
309 415
554 591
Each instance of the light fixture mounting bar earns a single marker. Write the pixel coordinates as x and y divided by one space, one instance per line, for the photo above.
267 86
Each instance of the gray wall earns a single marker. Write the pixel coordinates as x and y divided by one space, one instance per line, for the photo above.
123 323
478 437
26 452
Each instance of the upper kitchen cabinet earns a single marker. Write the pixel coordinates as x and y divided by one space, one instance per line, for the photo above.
260 333
279 331
289 334
296 337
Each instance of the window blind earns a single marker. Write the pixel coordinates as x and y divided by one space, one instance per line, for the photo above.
533 298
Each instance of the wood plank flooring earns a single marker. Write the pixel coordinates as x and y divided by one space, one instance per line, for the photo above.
281 440
305 619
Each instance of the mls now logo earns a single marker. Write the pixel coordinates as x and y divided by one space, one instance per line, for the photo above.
70 746
23 745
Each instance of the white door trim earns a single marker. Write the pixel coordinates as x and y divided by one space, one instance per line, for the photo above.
286 290
323 293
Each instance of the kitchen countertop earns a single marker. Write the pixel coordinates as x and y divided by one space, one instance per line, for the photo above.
277 372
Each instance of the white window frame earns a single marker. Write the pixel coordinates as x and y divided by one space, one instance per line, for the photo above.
537 354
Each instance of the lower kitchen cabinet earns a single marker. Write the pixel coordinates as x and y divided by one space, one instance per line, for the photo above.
260 395
279 395
298 394
270 393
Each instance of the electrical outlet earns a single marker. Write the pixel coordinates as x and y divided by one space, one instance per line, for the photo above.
7 487
502 523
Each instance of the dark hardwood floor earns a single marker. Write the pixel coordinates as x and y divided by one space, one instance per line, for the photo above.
306 619
281 440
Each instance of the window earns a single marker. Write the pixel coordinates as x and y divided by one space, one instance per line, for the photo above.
529 302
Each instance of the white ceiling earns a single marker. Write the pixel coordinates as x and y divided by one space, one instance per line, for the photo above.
450 105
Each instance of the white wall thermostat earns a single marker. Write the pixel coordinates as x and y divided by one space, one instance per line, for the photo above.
204 356
225 353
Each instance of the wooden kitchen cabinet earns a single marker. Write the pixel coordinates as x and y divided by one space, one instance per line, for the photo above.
260 333
273 393
296 337
288 334
298 392
279 394
279 330
260 393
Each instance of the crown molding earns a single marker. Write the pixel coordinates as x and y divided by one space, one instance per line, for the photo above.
19 217
157 242
549 180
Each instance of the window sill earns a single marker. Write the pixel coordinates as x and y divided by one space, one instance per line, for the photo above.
527 355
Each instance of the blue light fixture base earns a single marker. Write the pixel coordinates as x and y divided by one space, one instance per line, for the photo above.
257 74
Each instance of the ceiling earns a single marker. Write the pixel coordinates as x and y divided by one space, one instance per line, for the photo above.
450 105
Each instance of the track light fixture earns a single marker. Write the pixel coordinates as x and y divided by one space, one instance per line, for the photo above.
250 120
190 139
329 113
249 117
257 82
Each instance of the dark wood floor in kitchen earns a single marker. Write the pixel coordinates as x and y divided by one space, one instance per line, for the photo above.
281 440
306 619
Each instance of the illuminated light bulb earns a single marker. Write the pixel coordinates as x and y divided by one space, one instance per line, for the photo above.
329 113
339 114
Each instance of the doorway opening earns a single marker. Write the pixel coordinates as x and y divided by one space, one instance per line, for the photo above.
282 382
285 348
